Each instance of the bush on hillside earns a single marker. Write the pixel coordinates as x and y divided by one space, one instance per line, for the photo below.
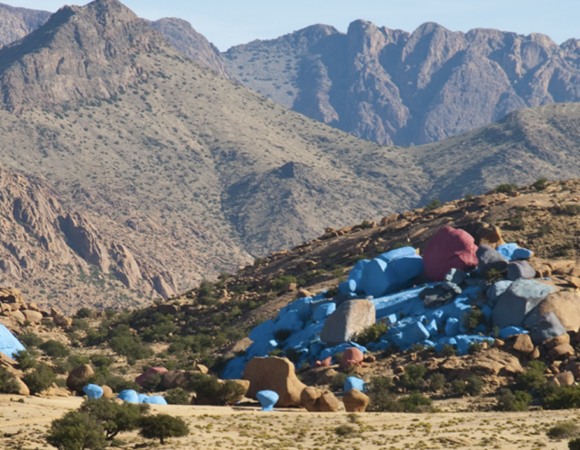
178 396
54 349
114 417
8 383
76 431
162 426
209 388
510 401
371 333
40 379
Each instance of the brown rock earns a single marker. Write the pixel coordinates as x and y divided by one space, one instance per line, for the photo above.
566 306
561 266
18 316
573 281
203 369
32 306
328 402
33 317
107 392
350 318
326 376
562 351
245 384
555 341
535 354
370 359
274 374
309 397
399 370
22 388
175 379
79 377
523 344
564 379
355 401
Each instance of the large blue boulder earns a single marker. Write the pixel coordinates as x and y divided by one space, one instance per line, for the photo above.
403 303
142 397
397 253
263 332
93 391
354 383
234 368
452 327
347 287
356 274
261 348
267 399
404 335
9 345
494 292
513 252
445 340
129 396
323 311
155 400
290 321
305 337
506 332
374 280
300 306
402 270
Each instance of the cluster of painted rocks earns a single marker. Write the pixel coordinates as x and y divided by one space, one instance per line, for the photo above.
425 299
14 308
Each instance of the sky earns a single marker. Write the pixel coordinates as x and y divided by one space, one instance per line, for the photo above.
230 22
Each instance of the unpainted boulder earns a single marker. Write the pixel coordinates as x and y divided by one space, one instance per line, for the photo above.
566 306
315 400
274 374
175 379
107 392
523 344
79 377
355 401
350 318
143 379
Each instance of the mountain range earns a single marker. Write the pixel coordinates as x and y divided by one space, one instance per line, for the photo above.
134 171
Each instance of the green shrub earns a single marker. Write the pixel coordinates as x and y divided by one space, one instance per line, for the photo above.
283 281
209 388
40 379
178 397
448 350
114 417
564 430
152 382
533 378
494 275
540 184
474 385
567 397
337 382
162 426
54 349
414 376
8 383
416 403
474 318
100 360
574 444
437 382
506 187
433 204
84 313
30 339
346 431
26 359
571 210
381 397
371 333
510 401
76 431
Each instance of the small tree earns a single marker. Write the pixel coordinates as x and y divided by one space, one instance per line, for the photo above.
76 431
114 417
163 426
8 384
178 396
40 379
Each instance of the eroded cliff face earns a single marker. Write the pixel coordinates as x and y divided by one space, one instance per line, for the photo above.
395 87
15 23
50 250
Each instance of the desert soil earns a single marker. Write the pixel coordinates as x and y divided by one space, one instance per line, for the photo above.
22 426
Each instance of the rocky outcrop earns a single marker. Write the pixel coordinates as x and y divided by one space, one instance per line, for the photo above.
128 271
15 23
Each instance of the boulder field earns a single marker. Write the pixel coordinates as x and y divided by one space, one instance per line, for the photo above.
455 293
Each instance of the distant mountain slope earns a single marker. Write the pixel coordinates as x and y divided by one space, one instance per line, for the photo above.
184 38
15 23
391 86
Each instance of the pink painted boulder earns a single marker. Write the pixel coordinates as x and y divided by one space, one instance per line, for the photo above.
143 379
351 357
449 249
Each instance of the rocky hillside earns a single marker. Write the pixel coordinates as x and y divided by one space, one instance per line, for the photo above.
395 87
15 23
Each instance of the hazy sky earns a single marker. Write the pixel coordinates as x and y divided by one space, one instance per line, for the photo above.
231 22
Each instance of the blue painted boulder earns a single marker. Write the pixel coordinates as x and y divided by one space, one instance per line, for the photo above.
452 327
155 400
290 321
263 332
506 332
374 280
513 252
405 335
267 399
93 391
234 368
354 383
141 397
494 292
9 345
347 287
323 311
129 396
356 274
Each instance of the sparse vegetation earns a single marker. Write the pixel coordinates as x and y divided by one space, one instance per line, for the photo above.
371 333
506 187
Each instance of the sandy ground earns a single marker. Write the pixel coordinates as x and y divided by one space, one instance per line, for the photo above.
22 426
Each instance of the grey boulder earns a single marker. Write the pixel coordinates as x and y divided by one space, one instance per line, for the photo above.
489 258
520 269
350 318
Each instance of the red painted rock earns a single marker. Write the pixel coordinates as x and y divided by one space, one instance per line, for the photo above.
324 363
351 357
142 379
449 249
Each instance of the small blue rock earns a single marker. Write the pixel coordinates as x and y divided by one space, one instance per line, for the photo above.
267 399
93 391
354 383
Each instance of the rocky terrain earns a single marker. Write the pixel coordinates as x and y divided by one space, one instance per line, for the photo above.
160 156
15 23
